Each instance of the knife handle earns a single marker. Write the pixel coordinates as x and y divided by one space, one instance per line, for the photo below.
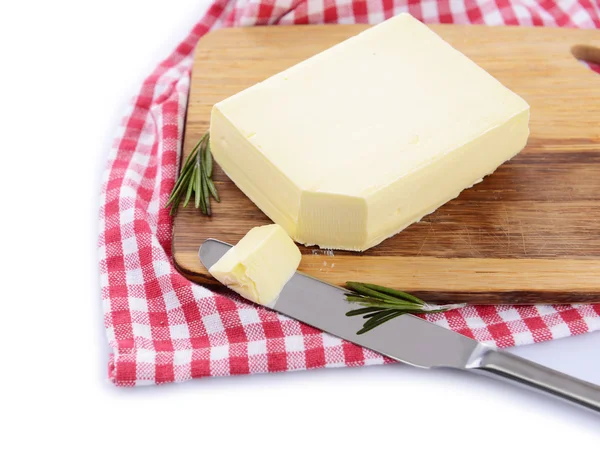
515 369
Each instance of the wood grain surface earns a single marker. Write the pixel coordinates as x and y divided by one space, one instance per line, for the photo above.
528 233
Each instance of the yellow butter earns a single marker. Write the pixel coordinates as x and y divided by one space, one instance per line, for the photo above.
358 142
259 265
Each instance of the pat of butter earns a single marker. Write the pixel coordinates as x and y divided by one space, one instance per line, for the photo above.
259 265
358 142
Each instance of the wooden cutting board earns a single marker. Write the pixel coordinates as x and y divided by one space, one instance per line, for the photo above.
528 233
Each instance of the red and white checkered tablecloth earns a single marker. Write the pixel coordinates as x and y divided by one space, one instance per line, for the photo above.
163 328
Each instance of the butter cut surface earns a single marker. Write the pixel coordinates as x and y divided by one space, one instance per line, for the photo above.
259 265
353 145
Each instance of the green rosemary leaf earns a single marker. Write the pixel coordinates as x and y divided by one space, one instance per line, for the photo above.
178 189
391 310
393 306
188 193
381 304
202 202
208 173
191 158
194 177
363 290
205 195
198 182
410 311
213 190
369 301
208 209
356 298
205 192
379 316
201 197
175 191
185 173
400 310
394 293
367 328
194 150
360 311
175 206
189 164
370 315
198 186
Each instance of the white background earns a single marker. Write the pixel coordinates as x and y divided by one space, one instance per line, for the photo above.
67 70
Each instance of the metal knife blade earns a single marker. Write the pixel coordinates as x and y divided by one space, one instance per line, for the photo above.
412 340
407 338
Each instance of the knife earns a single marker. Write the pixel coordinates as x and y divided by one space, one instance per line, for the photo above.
412 340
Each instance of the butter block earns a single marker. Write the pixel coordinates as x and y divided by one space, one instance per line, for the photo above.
358 142
259 265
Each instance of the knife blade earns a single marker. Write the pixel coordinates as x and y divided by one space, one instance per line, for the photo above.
412 340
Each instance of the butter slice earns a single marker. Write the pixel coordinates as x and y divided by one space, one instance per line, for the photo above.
259 265
358 142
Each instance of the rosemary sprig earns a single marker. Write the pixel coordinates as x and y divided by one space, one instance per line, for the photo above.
382 304
195 177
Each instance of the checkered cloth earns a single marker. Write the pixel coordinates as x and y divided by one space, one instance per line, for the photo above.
160 326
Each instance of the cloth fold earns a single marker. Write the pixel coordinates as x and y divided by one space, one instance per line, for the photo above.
163 328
